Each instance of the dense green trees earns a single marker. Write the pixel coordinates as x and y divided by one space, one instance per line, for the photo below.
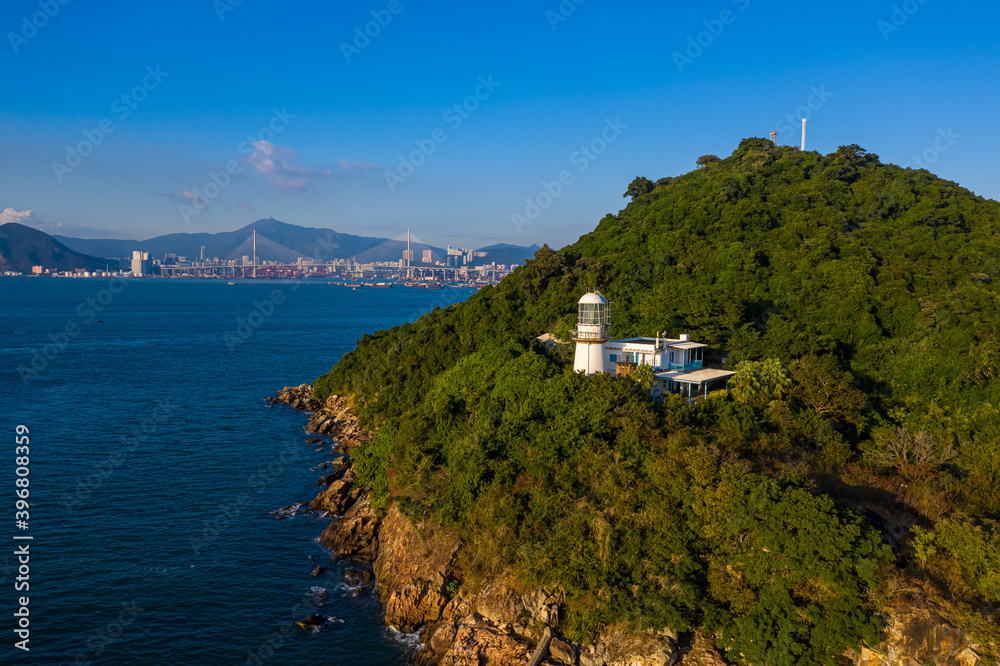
787 570
760 381
824 386
575 482
857 302
638 186
973 548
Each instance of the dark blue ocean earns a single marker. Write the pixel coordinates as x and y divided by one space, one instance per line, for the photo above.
156 467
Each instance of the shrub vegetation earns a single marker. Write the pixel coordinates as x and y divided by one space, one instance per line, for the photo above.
856 301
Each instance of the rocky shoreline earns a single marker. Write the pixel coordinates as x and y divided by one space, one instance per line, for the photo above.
504 624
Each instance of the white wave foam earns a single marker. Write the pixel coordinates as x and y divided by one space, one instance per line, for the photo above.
290 511
411 641
344 588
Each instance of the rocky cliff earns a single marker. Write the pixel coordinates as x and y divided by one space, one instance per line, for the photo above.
505 624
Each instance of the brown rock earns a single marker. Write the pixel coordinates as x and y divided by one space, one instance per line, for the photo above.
590 659
312 622
336 499
501 601
483 645
327 479
917 636
443 637
411 571
619 646
702 653
356 534
317 571
562 651
358 578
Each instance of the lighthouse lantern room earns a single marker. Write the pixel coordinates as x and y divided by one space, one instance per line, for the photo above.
591 333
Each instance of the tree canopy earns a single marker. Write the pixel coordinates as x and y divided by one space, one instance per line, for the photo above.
638 187
857 302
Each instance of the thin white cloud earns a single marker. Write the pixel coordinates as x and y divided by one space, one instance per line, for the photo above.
186 197
280 163
288 182
355 167
247 206
281 166
193 198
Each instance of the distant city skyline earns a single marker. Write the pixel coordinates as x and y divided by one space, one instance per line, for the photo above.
476 125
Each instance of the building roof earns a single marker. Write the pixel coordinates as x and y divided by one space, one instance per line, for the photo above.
695 377
593 298
686 345
548 337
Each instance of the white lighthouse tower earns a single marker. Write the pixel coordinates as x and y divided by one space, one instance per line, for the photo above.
591 333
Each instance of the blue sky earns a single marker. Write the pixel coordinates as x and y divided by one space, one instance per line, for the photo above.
207 83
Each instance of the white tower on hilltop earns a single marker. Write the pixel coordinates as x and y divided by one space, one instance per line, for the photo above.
591 333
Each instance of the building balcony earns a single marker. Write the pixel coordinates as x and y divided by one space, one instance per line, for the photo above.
692 365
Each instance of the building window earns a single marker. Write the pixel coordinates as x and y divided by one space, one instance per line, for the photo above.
614 357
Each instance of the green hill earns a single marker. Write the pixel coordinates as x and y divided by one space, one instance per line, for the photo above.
857 302
22 247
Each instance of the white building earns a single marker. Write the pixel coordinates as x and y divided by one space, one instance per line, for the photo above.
141 264
591 334
678 364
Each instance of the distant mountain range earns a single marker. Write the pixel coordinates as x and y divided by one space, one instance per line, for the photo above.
278 241
22 247
505 253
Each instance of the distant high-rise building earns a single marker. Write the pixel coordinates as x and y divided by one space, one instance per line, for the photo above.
407 255
141 264
427 257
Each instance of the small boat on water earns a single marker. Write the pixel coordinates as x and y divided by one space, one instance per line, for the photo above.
230 282
382 285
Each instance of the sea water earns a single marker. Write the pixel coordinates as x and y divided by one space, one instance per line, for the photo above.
158 472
